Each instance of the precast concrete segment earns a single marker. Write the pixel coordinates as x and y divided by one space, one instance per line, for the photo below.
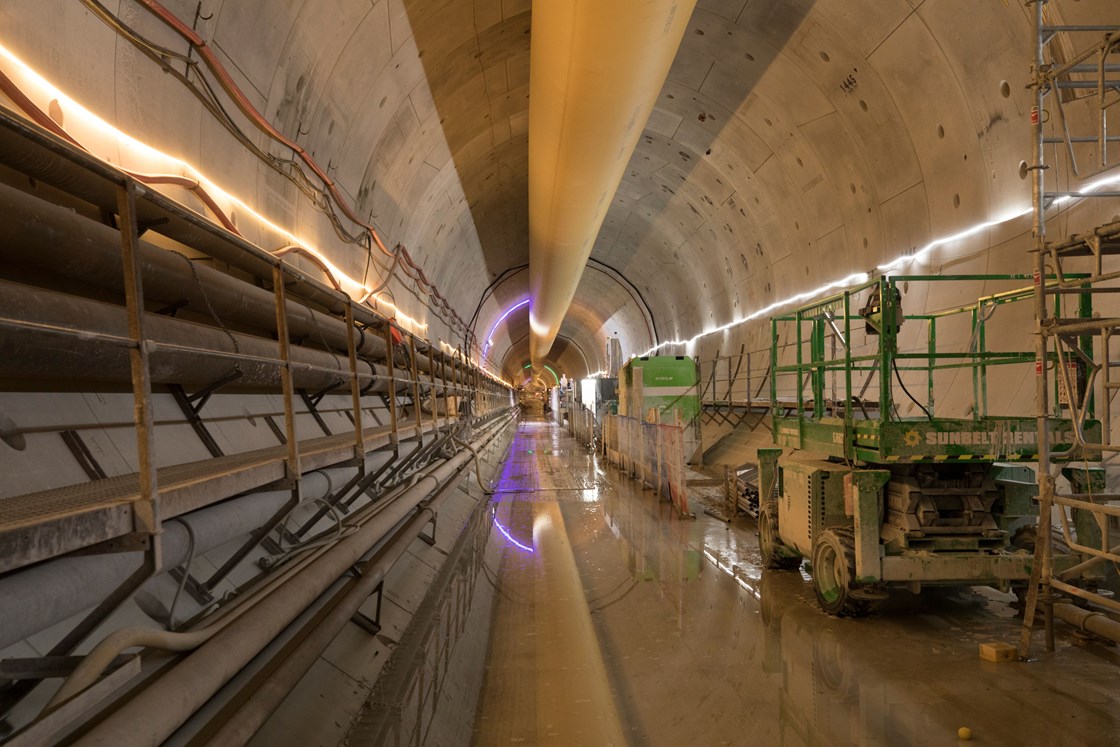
546 678
596 69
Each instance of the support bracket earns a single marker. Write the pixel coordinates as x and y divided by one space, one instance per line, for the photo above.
430 538
312 402
83 455
198 592
192 404
371 625
255 539
131 542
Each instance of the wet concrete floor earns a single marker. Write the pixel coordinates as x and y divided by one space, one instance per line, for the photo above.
618 622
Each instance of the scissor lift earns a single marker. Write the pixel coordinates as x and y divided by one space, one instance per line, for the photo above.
878 499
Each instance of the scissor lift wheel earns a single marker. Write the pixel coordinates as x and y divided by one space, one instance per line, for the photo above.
768 543
834 567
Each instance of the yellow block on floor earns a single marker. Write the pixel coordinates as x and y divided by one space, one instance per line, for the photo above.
998 652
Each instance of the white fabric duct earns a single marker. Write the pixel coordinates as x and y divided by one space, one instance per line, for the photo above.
596 69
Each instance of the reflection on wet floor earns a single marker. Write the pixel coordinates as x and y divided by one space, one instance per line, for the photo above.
545 676
616 621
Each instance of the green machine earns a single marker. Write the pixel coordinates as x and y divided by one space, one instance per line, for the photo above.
878 499
659 388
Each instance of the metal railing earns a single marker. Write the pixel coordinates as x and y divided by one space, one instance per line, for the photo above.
828 374
735 380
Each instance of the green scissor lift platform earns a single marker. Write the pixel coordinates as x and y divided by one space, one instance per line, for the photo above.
877 499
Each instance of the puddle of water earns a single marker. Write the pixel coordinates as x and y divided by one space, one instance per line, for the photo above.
653 629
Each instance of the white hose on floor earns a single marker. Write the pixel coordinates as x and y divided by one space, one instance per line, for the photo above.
477 468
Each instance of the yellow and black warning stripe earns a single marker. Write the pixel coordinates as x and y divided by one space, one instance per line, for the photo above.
954 457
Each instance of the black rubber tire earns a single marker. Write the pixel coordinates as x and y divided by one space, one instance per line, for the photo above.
834 567
768 543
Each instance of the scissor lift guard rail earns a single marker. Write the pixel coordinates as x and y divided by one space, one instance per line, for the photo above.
877 499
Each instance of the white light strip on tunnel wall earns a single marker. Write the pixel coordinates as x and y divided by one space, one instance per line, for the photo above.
884 269
906 259
895 264
102 139
1086 190
854 279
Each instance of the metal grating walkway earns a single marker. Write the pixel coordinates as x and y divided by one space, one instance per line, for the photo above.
42 525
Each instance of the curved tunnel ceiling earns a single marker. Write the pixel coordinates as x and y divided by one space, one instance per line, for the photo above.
793 144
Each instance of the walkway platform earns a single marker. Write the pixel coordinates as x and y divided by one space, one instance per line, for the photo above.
43 525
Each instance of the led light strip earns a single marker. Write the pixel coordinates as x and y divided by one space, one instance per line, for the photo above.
884 269
1089 188
502 318
548 368
508 536
905 259
856 279
494 328
99 138
895 264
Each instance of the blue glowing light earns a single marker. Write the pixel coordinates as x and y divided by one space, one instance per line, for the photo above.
502 318
508 482
503 530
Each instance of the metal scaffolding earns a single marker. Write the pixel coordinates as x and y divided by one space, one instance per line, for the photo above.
1074 66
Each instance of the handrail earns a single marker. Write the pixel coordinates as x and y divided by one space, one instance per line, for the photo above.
814 368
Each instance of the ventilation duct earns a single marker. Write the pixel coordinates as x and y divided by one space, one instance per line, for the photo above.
596 69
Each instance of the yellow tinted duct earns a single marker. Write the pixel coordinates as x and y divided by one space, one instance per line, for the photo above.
596 67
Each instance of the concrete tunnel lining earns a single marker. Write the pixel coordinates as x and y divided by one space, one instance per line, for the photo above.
792 144
758 172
